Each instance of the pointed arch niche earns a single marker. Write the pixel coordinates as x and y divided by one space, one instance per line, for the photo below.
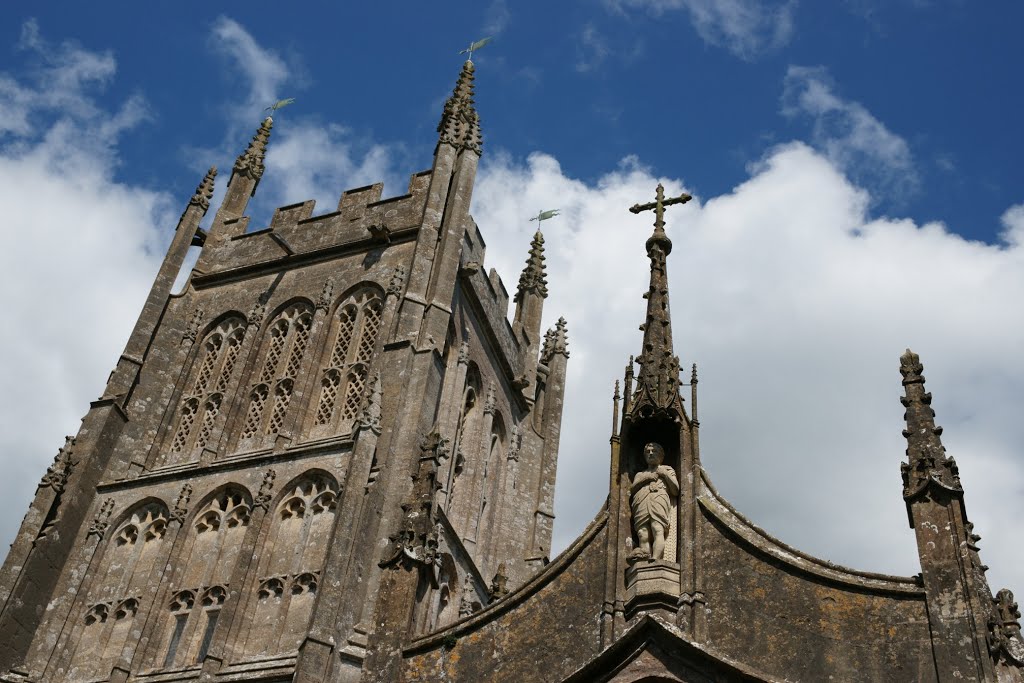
199 581
295 548
198 420
281 360
132 552
467 435
351 346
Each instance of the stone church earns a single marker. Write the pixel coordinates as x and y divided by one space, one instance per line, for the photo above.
331 458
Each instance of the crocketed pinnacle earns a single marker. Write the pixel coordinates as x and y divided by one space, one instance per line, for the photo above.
657 389
928 463
460 124
250 163
205 191
561 338
534 278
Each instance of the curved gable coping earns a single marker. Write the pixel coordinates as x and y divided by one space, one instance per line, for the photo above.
802 563
651 628
518 596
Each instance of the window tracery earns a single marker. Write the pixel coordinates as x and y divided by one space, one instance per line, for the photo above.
355 329
290 570
209 556
123 575
201 404
271 394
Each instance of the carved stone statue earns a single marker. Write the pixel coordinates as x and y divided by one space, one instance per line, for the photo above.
651 502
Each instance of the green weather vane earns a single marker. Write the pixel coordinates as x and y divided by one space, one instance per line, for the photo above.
545 215
473 47
279 104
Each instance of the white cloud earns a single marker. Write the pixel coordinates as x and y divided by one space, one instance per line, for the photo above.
497 18
849 134
83 251
264 70
747 28
796 306
592 49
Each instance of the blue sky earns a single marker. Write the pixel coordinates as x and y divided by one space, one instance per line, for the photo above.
854 163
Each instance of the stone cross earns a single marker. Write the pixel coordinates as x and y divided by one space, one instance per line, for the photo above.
658 205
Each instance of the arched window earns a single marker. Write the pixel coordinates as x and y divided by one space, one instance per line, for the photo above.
353 340
201 579
290 565
122 578
197 419
490 480
466 435
271 393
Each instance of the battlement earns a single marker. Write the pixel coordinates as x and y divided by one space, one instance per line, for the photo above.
361 221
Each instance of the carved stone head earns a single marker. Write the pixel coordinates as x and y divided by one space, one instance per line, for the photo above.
654 454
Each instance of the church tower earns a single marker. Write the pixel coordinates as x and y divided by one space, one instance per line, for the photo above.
331 441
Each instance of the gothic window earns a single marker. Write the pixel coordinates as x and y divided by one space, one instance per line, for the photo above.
289 571
352 342
197 419
493 460
122 579
271 393
466 435
201 580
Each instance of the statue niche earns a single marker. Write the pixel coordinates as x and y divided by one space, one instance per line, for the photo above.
652 503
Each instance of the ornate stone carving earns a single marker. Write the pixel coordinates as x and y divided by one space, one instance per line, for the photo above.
928 465
195 323
57 473
460 123
499 584
204 192
326 295
370 415
415 544
491 400
1004 638
468 602
101 522
397 282
515 442
259 309
463 353
651 498
973 549
180 509
533 279
250 163
262 499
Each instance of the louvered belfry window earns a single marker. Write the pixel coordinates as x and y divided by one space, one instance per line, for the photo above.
197 421
355 328
271 394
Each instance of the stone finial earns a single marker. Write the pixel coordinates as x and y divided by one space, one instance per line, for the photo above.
927 463
57 474
370 416
101 522
1004 637
397 282
561 338
467 601
180 509
515 442
250 163
463 353
547 350
460 124
326 295
195 323
490 399
534 277
204 192
262 499
417 540
499 584
259 309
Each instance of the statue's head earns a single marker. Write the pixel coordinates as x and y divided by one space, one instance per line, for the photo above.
654 454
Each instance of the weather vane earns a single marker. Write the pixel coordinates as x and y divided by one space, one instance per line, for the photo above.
280 103
544 215
473 47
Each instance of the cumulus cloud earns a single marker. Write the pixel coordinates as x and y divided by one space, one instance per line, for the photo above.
795 305
849 134
747 28
82 254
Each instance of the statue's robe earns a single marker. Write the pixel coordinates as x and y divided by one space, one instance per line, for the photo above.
652 504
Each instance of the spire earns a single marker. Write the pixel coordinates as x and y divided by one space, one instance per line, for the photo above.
657 390
534 277
460 124
560 339
205 191
928 463
250 163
